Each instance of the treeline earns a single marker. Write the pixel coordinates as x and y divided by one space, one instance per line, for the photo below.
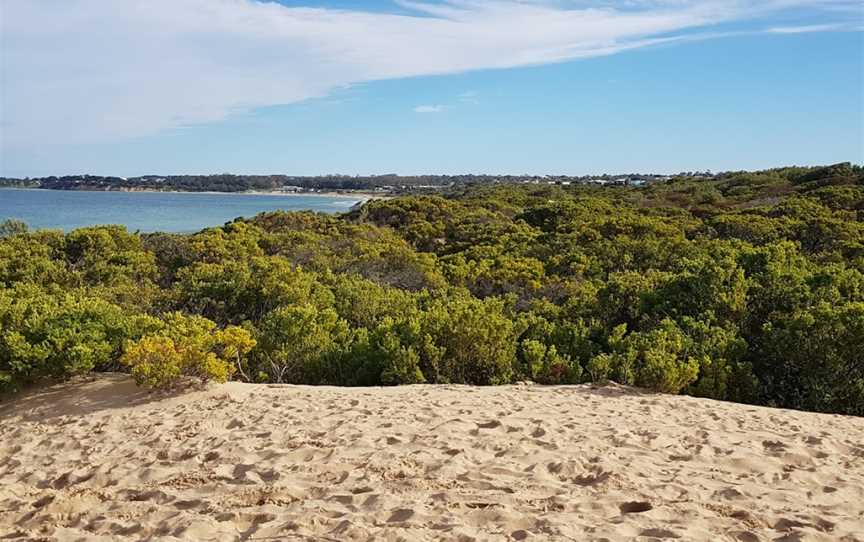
6 182
241 183
746 287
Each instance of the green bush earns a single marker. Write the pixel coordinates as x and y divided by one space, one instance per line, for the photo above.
187 346
302 344
10 227
57 336
389 355
547 366
658 359
813 359
743 286
477 340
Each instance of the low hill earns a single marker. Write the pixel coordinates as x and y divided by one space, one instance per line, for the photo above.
99 459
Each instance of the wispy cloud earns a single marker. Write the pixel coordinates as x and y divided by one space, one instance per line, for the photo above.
809 28
80 71
429 109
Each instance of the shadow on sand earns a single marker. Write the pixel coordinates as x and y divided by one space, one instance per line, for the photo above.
82 395
109 391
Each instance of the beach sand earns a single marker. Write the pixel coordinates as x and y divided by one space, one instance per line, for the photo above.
99 459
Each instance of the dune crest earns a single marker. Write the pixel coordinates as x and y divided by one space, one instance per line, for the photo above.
99 459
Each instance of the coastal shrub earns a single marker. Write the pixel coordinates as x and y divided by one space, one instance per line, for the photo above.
547 366
400 364
599 367
751 227
155 361
35 258
187 346
57 336
10 227
742 286
724 373
237 241
235 291
712 287
662 360
488 272
657 359
302 344
476 338
557 342
365 304
390 354
813 359
108 255
622 299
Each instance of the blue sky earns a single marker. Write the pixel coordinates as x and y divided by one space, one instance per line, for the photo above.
557 86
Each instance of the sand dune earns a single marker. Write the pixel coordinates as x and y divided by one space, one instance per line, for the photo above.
100 460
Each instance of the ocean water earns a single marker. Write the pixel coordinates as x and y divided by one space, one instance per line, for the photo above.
151 211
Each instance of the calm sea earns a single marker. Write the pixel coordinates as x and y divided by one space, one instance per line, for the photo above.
151 211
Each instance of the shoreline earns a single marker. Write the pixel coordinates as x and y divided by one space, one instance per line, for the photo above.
362 195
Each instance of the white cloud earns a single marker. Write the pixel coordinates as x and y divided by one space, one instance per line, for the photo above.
807 28
81 71
429 109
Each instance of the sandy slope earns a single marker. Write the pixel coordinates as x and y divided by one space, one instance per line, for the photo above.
100 460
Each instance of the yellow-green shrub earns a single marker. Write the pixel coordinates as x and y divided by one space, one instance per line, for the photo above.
187 346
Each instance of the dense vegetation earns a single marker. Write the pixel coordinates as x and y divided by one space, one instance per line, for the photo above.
746 287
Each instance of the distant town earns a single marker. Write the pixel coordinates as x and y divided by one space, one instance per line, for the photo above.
381 184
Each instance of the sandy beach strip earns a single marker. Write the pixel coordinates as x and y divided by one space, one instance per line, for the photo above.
99 459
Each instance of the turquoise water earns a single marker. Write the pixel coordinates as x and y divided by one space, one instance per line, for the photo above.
151 211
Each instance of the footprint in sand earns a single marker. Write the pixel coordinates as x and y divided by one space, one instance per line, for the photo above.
235 424
44 501
489 425
746 536
635 507
400 515
188 505
659 533
773 446
592 479
729 493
